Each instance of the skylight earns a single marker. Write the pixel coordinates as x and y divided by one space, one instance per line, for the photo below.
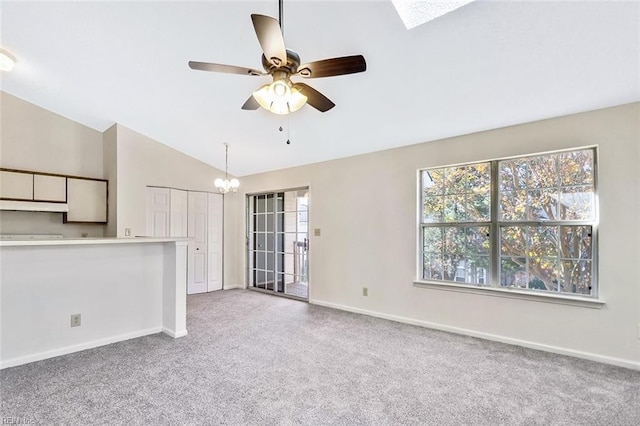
418 12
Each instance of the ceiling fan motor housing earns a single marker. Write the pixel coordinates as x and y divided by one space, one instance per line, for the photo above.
293 62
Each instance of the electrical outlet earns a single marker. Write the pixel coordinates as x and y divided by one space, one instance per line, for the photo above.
85 234
365 291
75 320
127 232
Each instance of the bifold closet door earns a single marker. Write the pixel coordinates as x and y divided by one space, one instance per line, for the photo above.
158 212
197 248
179 211
196 215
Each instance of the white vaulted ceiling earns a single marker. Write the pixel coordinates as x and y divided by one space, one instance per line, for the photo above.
486 65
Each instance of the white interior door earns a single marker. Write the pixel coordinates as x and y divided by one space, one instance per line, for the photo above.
158 207
214 242
197 248
179 209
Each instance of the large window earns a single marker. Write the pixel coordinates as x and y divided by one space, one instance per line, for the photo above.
526 223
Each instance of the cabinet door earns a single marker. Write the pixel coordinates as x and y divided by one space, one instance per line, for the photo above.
16 186
87 200
49 188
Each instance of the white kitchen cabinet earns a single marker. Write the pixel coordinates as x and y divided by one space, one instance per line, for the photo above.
16 185
87 200
49 188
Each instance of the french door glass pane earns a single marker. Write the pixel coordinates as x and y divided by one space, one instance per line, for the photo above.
260 240
260 260
261 206
270 203
259 222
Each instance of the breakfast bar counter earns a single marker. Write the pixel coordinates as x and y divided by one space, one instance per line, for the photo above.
121 288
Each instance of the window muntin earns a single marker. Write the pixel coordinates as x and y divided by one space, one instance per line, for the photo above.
551 258
550 187
539 238
457 194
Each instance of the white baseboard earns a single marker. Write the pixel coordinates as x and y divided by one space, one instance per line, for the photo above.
497 338
232 286
173 333
76 348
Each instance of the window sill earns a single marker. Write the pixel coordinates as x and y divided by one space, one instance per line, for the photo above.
513 294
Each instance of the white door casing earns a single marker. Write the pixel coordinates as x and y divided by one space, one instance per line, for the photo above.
214 242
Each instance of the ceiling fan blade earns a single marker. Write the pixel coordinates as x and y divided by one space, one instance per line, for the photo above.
230 69
334 66
315 98
270 39
251 104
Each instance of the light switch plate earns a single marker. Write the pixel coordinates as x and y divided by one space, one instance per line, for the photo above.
316 232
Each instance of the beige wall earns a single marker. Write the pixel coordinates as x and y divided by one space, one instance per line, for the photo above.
33 138
366 208
142 162
36 139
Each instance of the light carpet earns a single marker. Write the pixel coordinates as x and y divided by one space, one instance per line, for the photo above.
254 359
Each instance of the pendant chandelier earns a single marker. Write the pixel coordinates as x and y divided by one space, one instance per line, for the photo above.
225 185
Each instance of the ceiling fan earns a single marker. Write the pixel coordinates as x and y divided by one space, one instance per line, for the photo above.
282 95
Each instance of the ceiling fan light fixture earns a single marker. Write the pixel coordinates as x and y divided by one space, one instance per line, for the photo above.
6 61
279 90
296 100
279 98
280 107
263 97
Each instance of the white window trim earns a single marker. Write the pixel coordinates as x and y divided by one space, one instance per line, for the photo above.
510 293
588 301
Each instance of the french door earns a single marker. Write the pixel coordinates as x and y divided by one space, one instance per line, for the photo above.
278 242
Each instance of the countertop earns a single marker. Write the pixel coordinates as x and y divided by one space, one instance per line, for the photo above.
88 241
